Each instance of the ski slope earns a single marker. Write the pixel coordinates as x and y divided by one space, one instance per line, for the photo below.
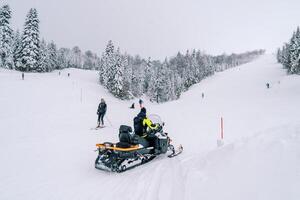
47 147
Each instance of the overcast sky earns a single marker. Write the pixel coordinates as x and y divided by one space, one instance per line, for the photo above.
161 28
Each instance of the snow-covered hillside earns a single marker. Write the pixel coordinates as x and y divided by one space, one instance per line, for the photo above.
47 147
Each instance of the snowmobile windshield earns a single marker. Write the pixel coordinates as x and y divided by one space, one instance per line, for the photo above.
155 119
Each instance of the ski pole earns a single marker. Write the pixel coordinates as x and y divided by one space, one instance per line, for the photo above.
108 121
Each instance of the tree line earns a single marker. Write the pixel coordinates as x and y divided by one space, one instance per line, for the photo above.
125 76
289 54
25 51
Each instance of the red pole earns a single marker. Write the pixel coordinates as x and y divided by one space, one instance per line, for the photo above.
222 128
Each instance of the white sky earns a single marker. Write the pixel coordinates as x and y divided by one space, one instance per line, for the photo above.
160 28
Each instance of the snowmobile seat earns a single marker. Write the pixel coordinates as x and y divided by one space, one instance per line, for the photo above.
124 128
123 145
125 137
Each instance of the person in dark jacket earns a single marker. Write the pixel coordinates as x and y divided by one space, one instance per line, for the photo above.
132 106
143 126
101 112
141 103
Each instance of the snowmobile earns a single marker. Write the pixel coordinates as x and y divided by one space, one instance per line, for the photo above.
133 150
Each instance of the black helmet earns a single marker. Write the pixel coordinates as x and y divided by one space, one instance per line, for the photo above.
143 110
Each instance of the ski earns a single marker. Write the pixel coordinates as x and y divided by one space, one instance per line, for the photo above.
176 152
97 128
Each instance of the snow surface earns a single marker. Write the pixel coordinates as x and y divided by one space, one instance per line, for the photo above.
47 147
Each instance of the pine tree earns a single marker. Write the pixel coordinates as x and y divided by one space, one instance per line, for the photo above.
284 57
127 74
147 75
43 65
116 83
30 47
76 58
6 38
153 83
108 60
189 74
89 60
64 58
294 52
53 57
137 79
17 49
160 83
279 55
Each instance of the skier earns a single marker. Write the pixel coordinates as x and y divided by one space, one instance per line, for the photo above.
141 103
23 76
132 106
101 112
268 85
143 127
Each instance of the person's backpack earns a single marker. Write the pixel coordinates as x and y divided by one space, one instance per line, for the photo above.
125 134
137 125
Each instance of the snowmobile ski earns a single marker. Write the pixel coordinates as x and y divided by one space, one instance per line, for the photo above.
176 152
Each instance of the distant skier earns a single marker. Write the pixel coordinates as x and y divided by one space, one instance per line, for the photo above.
268 85
132 106
68 74
59 73
23 76
101 112
202 95
141 103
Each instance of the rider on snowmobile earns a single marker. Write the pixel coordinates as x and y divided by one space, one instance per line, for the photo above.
143 127
142 124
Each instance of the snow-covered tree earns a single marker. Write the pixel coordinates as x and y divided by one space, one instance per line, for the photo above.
76 58
30 46
289 55
44 63
137 77
89 60
53 57
127 75
295 52
147 75
17 42
159 87
108 60
6 38
116 83
64 58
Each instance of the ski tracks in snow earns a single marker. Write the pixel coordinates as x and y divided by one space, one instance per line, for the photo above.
164 178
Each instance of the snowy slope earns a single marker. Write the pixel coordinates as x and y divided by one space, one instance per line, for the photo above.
46 145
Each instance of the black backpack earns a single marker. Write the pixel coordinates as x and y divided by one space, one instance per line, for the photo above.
138 125
125 134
